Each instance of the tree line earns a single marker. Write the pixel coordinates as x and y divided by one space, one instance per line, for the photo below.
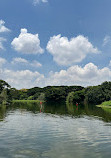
72 94
91 95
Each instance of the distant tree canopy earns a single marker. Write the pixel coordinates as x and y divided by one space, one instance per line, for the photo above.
49 93
33 91
59 93
98 94
77 96
91 95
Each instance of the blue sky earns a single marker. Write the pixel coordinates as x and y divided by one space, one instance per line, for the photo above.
55 42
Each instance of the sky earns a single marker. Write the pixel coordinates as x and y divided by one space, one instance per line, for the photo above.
55 42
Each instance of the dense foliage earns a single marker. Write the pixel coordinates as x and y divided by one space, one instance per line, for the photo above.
59 93
49 93
91 95
76 97
98 94
5 96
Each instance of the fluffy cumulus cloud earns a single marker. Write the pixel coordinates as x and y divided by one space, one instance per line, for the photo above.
35 2
22 61
67 52
22 79
27 43
88 75
2 27
2 61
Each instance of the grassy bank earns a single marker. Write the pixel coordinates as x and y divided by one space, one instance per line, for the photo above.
26 101
29 105
106 104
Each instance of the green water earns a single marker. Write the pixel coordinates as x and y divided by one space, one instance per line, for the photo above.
54 131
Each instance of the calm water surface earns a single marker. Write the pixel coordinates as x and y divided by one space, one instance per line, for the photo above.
30 134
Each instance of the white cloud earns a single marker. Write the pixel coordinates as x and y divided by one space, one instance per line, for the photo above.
2 27
27 43
35 2
22 79
2 61
2 30
67 52
1 43
35 63
106 40
90 74
19 60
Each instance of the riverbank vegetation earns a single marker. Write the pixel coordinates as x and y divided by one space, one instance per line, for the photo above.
5 95
26 101
92 95
106 104
71 94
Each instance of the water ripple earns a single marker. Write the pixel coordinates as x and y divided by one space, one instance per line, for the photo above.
23 134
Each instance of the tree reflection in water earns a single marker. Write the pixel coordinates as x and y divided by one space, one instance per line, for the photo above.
59 109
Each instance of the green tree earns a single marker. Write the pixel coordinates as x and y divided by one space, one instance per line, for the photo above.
4 85
41 97
77 96
3 97
4 92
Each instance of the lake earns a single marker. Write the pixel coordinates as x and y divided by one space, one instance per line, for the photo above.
52 131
